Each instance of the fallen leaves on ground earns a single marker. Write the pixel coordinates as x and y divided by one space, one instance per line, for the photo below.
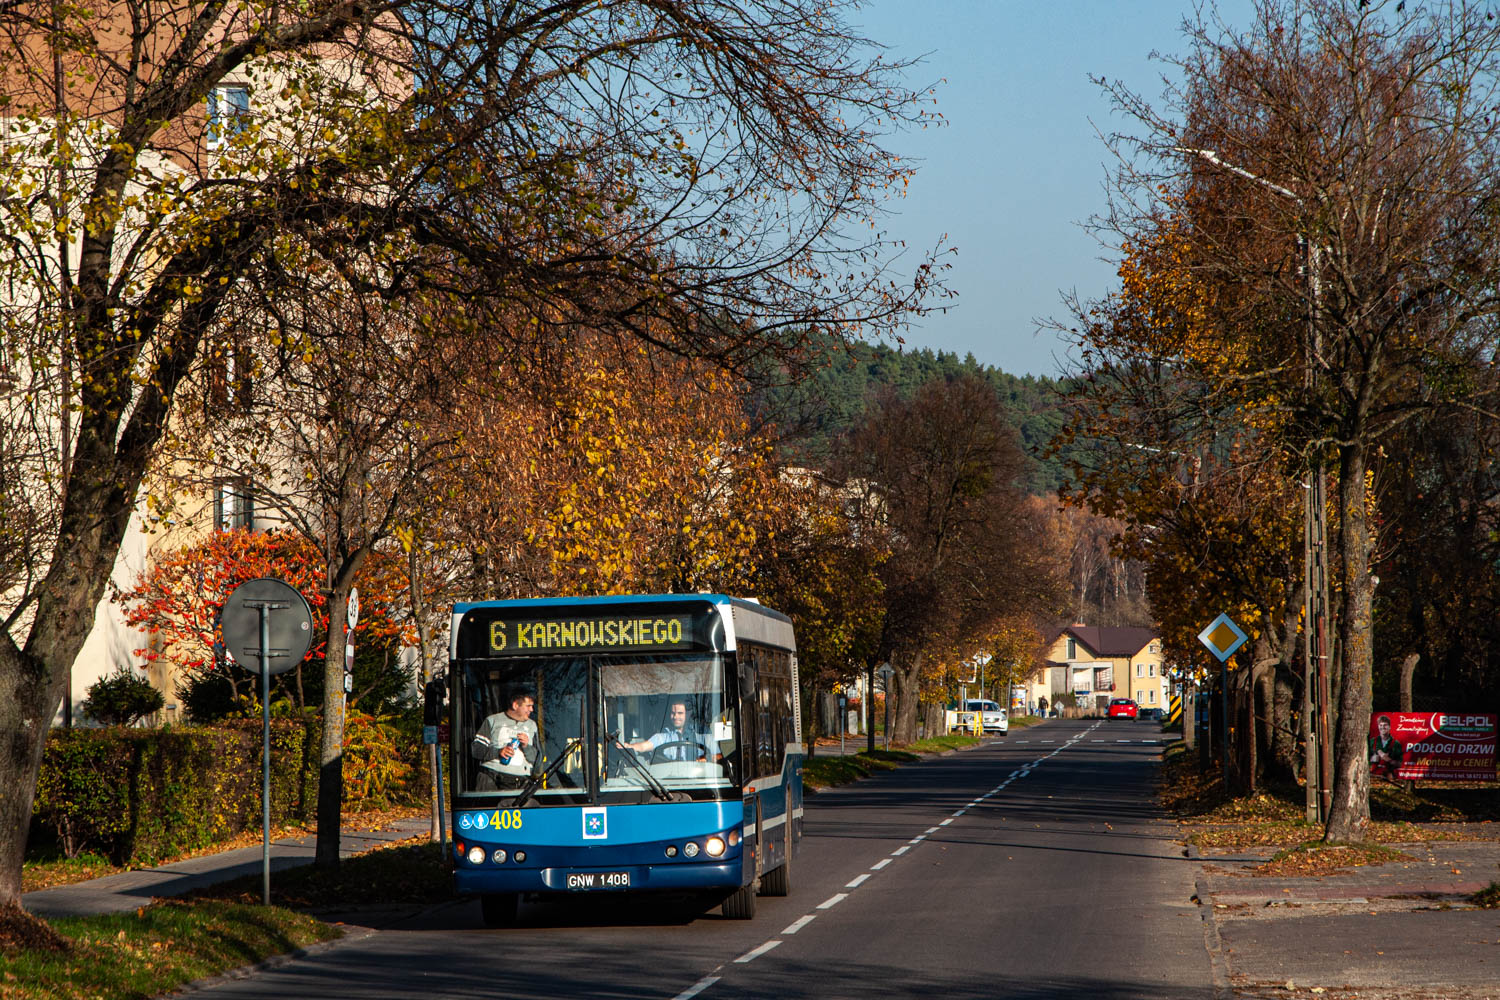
1327 859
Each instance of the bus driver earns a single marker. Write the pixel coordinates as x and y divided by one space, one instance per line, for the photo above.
675 731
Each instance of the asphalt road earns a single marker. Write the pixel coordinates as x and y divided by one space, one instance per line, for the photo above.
1033 867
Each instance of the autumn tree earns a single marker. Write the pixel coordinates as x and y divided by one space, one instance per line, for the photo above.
1328 172
177 601
823 570
330 430
415 147
941 473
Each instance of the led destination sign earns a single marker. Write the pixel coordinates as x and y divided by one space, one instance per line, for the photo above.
663 633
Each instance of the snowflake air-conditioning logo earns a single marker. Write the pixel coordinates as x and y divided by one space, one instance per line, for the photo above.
594 825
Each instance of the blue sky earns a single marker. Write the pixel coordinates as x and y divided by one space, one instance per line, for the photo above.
1020 165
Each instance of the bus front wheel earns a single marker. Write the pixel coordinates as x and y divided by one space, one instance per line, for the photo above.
777 881
499 908
741 903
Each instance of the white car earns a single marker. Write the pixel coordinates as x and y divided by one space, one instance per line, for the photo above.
991 716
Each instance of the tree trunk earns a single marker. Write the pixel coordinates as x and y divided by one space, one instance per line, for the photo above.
1408 667
1284 757
1349 814
1262 698
331 756
905 686
35 679
1189 714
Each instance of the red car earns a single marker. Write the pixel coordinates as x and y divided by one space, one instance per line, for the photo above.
1122 708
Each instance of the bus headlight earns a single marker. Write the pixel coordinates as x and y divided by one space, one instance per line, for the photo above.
499 856
734 837
476 855
520 857
714 846
690 849
671 850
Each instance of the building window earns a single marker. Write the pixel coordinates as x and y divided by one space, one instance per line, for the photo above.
233 507
1140 670
1150 670
228 113
1072 649
1155 647
1152 696
1140 695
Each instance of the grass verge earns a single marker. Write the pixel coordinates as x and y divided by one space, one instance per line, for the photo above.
1318 857
829 770
1487 898
410 871
153 950
160 947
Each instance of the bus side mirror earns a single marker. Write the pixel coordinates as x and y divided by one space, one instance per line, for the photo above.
433 696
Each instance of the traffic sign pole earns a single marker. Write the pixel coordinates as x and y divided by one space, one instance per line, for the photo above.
248 630
265 752
1222 637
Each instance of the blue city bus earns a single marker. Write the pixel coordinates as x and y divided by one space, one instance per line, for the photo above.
605 801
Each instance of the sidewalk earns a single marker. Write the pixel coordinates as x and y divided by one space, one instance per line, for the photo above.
1400 931
130 890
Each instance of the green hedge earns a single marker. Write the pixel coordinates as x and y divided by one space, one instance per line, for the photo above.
140 795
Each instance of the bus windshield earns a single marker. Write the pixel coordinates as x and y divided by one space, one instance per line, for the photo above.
621 728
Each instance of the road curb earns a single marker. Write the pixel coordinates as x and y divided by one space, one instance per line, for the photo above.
1218 961
350 935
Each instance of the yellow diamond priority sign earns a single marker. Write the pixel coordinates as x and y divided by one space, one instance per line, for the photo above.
1222 637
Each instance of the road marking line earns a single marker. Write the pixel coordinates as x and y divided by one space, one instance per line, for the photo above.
798 924
833 901
696 988
857 882
880 864
945 822
900 850
751 956
960 812
931 829
917 839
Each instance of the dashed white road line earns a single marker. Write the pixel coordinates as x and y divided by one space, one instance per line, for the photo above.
859 880
799 923
755 953
696 988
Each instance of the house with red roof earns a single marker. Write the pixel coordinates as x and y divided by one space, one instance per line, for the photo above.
1087 665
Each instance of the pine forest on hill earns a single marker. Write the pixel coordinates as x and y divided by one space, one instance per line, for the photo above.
813 412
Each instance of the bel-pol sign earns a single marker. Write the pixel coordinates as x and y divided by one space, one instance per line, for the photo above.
1223 637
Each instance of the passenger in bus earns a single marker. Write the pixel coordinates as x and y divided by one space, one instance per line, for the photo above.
505 745
689 744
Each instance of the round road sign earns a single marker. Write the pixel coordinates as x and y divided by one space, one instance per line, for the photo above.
289 623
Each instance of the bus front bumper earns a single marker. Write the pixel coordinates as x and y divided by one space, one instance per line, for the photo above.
622 878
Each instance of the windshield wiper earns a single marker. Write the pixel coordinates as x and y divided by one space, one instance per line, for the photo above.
634 760
541 776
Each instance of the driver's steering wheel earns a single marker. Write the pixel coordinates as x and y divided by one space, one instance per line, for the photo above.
658 758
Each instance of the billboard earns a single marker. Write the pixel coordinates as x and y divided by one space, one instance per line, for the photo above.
1432 746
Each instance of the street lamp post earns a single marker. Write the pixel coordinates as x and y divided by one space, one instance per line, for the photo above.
1315 681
